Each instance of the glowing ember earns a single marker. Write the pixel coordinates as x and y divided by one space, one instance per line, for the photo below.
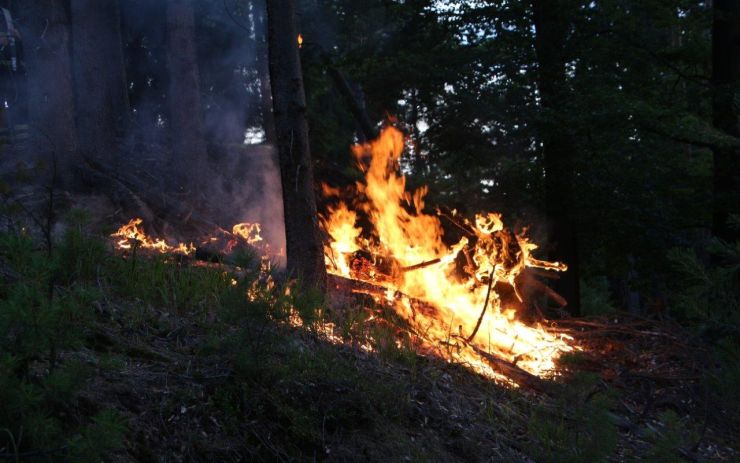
421 266
132 234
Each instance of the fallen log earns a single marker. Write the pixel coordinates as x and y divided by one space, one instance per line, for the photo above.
120 194
138 197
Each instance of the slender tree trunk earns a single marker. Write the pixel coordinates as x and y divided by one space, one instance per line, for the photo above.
355 104
100 77
303 242
260 31
186 118
725 81
51 103
551 20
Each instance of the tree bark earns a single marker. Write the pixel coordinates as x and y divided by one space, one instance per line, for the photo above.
303 242
51 106
725 81
100 76
551 20
186 118
260 31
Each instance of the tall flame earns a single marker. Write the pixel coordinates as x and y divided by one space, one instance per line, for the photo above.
425 268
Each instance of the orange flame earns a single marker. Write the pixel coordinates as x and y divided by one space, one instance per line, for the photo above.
250 232
402 230
300 40
131 235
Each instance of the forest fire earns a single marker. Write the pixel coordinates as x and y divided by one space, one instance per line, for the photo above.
402 251
451 296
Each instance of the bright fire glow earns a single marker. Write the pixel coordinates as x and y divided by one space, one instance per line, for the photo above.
404 253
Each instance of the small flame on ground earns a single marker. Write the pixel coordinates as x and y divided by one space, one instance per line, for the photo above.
132 234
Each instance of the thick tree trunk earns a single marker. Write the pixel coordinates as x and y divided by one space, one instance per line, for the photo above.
186 120
303 242
51 107
100 77
725 81
551 20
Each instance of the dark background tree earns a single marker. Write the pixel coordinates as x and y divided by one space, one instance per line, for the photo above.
188 155
51 105
725 78
100 81
552 22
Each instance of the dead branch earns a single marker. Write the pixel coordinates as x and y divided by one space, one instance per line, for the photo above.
421 265
485 306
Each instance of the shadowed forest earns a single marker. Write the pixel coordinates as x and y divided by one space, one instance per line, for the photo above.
387 230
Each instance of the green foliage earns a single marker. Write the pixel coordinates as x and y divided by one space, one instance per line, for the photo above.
577 428
86 256
303 394
721 382
706 292
595 297
672 434
45 308
302 389
706 295
103 435
160 281
38 317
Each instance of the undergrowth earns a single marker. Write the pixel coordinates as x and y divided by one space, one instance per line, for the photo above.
46 303
289 392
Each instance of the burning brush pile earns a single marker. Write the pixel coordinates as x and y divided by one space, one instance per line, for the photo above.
450 295
458 301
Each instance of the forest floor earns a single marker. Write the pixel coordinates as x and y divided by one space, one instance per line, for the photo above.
300 397
197 372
